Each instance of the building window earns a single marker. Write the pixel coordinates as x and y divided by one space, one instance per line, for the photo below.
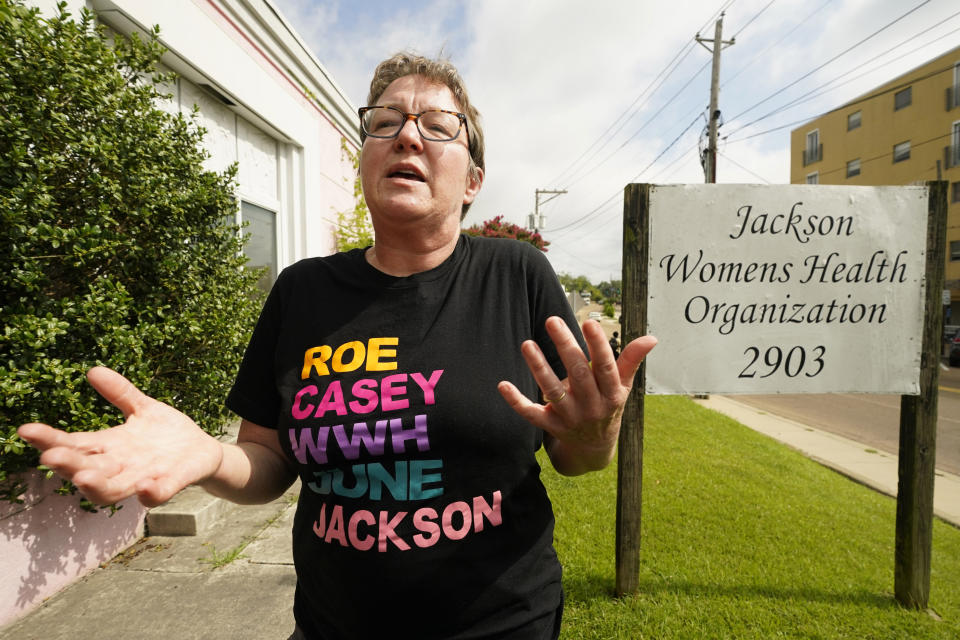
955 192
853 120
901 151
813 152
813 178
953 151
954 250
261 245
902 98
953 92
853 168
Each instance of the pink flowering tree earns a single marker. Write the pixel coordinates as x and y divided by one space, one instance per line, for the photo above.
497 228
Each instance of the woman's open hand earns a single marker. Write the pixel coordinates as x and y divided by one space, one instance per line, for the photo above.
154 454
581 414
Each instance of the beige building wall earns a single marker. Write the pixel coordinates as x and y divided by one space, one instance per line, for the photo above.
929 125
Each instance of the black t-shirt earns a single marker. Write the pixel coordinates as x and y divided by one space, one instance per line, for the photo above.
421 512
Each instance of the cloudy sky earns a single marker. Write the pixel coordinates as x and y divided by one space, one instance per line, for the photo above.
590 96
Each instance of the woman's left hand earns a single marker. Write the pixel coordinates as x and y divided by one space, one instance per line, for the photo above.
581 414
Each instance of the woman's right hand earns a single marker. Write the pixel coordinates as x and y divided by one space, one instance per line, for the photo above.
154 454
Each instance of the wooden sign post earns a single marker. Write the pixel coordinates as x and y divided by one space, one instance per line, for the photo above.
918 428
636 201
788 289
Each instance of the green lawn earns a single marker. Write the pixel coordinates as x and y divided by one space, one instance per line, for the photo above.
742 538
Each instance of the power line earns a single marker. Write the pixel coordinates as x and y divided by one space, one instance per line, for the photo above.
662 108
604 137
716 14
596 211
755 16
812 93
580 259
655 177
726 157
670 101
807 96
651 89
833 59
583 219
780 40
845 105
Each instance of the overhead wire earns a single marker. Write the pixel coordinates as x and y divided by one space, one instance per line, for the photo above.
670 100
654 85
773 44
670 165
603 207
826 87
810 95
830 61
607 136
732 161
653 117
586 217
845 105
755 16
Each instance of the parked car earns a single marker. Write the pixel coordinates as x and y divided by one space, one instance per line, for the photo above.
950 330
595 315
954 350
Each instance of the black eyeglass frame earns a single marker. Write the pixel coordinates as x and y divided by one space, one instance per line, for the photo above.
462 117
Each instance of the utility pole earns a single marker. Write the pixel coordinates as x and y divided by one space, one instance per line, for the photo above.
536 221
710 163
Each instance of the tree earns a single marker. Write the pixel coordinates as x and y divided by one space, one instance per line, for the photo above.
354 229
115 243
497 228
580 284
610 290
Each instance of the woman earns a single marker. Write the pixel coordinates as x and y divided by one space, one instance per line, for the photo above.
378 377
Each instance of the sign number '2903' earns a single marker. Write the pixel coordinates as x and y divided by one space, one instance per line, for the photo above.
790 362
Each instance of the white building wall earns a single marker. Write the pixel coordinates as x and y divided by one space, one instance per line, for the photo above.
287 118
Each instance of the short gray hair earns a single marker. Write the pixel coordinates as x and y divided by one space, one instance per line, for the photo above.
441 71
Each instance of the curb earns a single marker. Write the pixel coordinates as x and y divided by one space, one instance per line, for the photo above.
875 470
192 511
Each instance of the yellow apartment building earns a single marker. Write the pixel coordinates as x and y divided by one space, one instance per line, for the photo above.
905 131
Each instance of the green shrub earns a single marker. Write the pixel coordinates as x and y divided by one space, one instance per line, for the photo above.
114 242
354 228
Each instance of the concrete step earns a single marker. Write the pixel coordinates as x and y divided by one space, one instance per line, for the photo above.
192 511
189 513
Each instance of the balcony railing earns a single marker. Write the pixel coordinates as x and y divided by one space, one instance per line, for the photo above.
813 155
953 97
951 156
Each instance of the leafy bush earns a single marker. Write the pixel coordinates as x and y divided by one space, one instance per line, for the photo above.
114 243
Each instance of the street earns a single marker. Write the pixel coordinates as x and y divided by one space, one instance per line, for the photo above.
873 420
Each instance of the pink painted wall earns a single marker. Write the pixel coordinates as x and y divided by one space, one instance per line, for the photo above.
49 541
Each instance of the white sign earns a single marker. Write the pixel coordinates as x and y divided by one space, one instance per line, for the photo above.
785 288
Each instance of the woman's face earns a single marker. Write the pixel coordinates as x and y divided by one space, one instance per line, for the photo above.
408 179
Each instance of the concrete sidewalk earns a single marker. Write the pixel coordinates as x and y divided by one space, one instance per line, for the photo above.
233 580
235 577
875 469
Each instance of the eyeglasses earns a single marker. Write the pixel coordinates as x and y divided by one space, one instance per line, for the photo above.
437 125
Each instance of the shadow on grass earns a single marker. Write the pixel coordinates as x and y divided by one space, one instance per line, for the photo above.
587 589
